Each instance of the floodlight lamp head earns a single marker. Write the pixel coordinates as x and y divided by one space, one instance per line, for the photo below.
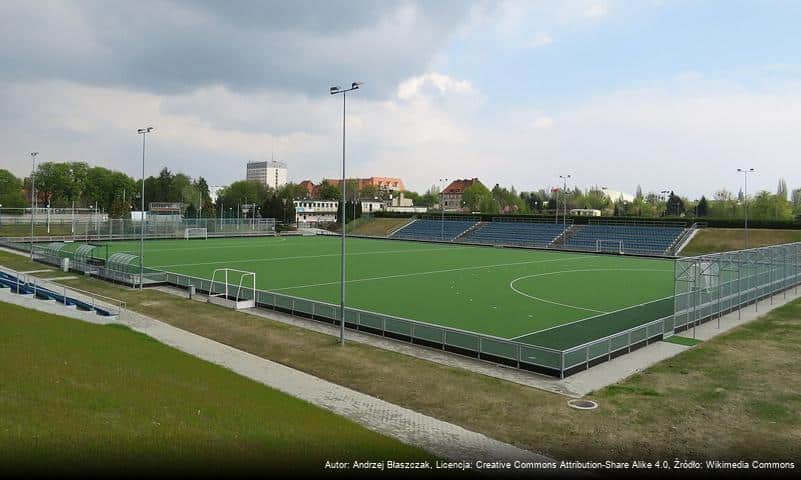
145 130
334 90
355 85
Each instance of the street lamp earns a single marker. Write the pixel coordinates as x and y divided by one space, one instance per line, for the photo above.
564 194
664 194
745 172
143 132
33 194
344 91
442 182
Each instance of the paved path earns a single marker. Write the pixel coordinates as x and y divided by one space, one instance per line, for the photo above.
443 439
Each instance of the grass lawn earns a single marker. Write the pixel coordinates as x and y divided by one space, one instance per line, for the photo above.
76 395
379 227
735 396
503 292
712 240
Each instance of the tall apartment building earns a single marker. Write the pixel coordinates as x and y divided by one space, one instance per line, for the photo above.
271 174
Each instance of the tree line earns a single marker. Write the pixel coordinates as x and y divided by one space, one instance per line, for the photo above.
62 185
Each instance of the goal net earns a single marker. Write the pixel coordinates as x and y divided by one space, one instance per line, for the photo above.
613 246
233 288
195 232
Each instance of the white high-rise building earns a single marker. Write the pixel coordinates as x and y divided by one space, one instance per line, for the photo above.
271 174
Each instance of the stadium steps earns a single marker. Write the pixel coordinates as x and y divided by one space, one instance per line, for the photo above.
409 222
473 228
680 242
559 242
397 230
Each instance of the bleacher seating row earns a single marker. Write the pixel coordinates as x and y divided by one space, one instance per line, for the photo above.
638 239
515 233
635 238
24 288
427 229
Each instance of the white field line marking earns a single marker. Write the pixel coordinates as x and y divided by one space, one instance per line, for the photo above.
573 306
278 259
431 272
512 284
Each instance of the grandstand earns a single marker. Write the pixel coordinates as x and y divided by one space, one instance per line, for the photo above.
657 238
430 229
528 233
624 238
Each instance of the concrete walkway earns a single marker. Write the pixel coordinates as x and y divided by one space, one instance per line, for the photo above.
445 440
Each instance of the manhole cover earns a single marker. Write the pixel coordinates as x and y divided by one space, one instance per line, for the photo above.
583 404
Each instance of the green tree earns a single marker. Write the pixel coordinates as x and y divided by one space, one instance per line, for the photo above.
781 190
675 205
243 191
765 206
11 195
369 192
476 197
702 209
327 191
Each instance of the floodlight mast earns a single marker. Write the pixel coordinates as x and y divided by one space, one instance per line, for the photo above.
143 132
745 172
335 90
564 194
443 182
33 194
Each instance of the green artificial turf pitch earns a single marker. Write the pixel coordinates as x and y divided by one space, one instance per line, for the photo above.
503 292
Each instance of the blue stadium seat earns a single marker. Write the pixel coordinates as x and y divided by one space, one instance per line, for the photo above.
642 239
527 234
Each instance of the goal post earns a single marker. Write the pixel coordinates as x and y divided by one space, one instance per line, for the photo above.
238 295
196 232
614 246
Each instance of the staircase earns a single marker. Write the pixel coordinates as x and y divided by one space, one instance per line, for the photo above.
559 242
401 227
470 230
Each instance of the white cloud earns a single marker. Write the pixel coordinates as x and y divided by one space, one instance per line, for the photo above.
596 10
438 83
676 135
542 122
541 39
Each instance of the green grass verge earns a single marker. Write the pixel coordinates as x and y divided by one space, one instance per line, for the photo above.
713 240
689 342
75 395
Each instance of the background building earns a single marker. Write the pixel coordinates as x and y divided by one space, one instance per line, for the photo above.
382 184
314 212
271 174
453 193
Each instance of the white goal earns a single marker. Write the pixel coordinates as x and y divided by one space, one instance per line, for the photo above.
614 246
236 295
190 233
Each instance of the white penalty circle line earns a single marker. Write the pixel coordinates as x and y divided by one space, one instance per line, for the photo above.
576 307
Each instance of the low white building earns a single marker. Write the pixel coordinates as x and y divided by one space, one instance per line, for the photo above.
316 211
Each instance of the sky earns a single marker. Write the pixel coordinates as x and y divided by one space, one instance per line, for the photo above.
669 95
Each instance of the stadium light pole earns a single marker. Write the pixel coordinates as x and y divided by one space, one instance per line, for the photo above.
442 182
745 172
564 195
664 194
33 194
344 91
143 132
